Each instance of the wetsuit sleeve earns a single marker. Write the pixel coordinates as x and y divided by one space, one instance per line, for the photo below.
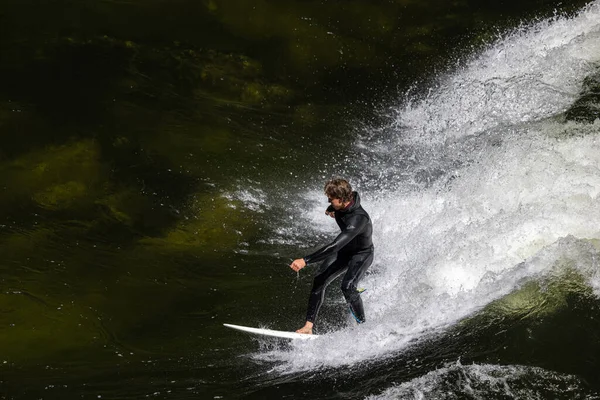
330 209
354 227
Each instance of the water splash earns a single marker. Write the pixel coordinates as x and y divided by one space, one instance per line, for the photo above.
477 182
485 381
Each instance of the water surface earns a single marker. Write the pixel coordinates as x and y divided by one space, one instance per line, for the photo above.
162 163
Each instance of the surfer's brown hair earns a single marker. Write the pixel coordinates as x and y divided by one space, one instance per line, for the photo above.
338 188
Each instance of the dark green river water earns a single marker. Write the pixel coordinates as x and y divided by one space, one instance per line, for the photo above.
161 164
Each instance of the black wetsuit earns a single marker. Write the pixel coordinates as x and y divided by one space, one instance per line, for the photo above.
351 251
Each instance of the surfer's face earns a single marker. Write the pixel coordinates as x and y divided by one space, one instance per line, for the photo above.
336 203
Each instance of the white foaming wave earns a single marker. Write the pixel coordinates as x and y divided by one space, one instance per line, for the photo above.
483 381
445 251
533 73
492 221
452 252
501 212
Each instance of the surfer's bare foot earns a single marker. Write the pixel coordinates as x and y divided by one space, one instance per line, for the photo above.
306 329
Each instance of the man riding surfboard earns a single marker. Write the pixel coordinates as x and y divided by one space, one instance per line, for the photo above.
351 252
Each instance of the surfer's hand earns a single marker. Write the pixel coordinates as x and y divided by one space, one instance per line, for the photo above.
298 264
330 213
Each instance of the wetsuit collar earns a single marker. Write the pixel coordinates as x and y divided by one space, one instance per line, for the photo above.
349 206
355 203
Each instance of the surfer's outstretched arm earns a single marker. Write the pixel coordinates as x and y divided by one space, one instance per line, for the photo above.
354 227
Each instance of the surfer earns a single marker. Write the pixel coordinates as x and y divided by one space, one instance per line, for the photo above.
351 252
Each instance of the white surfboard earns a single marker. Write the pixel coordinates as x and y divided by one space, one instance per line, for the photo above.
270 332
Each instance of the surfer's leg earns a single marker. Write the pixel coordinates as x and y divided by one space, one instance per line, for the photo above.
357 267
331 268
